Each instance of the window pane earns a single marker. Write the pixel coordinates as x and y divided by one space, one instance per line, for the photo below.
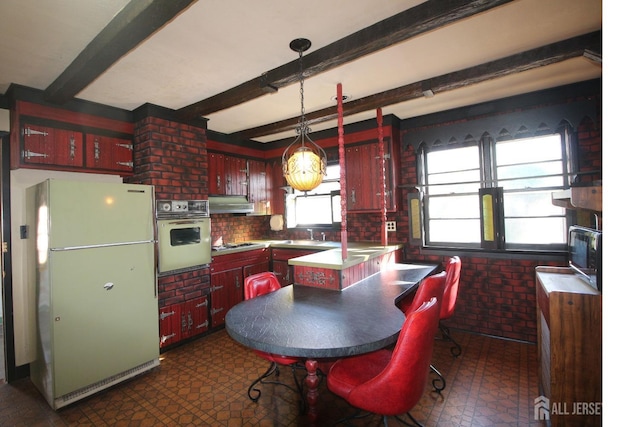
470 178
456 231
533 169
313 210
315 206
529 150
454 207
533 203
541 231
552 181
455 159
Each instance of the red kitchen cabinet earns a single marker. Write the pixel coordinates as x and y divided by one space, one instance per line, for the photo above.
217 175
183 320
227 279
255 268
258 186
194 317
276 193
236 175
362 177
109 153
280 263
46 145
226 291
170 328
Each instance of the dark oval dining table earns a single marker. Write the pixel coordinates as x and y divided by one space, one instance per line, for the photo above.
315 323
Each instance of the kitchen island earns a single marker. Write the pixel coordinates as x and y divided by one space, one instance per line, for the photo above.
325 268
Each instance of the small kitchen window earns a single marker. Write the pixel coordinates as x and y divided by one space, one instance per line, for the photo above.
318 208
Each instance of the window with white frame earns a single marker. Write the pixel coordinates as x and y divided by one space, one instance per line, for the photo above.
319 207
495 194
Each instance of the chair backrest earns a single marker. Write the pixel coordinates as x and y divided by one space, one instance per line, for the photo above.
260 284
450 295
430 286
401 384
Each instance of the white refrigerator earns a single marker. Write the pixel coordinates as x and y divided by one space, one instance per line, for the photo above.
96 286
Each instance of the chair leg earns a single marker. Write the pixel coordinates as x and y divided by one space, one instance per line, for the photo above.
273 367
440 379
456 350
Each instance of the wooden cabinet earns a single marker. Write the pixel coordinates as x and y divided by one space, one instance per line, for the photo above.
111 153
569 316
183 320
280 263
52 147
170 324
226 291
237 178
275 191
227 279
46 145
217 174
194 318
257 193
363 186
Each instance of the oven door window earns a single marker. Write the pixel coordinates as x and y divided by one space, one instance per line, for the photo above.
184 236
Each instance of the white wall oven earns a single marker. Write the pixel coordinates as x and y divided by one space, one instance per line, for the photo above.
184 235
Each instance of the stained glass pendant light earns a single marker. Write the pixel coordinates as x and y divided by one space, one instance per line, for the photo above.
304 163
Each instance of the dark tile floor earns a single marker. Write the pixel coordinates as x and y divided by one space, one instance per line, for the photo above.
493 383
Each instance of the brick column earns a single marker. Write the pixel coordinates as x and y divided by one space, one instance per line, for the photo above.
171 154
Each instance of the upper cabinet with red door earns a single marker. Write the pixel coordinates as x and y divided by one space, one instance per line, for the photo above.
258 187
217 174
110 153
237 176
47 145
363 184
45 137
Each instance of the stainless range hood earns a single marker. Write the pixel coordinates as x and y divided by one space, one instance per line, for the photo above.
229 204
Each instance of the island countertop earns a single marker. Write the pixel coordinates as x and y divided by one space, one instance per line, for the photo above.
329 253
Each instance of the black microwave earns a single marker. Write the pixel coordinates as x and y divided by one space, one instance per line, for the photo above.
585 254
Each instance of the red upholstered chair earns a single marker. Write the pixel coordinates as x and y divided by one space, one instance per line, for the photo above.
429 287
390 382
449 299
254 286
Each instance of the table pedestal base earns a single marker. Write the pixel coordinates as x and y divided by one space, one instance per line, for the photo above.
312 382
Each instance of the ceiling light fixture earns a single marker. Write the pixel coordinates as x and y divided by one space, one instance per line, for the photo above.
304 163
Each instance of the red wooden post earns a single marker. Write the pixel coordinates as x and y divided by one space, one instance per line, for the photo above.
383 188
343 179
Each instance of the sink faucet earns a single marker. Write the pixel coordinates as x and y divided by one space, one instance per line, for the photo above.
324 236
310 230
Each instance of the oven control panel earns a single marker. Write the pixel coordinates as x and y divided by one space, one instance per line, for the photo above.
182 208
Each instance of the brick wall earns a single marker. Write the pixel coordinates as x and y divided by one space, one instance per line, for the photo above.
172 156
229 228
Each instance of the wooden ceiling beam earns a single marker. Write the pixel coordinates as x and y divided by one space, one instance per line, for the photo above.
133 24
534 58
417 20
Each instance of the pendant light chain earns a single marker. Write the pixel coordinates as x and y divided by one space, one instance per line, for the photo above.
303 129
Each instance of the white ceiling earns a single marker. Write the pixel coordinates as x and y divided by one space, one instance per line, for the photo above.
215 45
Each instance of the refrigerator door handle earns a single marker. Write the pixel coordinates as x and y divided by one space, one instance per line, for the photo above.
103 245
